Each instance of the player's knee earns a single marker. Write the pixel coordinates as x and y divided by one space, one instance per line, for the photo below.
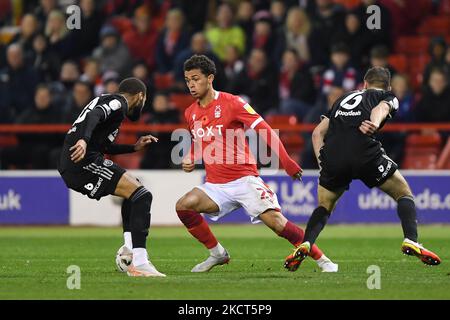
188 202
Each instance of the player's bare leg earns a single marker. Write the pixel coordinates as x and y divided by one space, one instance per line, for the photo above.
397 187
188 209
284 228
138 205
326 203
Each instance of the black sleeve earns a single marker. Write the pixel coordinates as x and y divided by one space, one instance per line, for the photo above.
119 149
92 119
392 101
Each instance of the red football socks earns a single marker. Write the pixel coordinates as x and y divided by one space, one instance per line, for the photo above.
294 235
198 227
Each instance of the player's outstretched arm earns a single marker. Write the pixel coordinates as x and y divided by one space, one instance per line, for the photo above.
290 166
141 144
318 136
377 116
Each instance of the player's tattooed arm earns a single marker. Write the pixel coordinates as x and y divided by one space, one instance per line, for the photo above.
318 136
377 116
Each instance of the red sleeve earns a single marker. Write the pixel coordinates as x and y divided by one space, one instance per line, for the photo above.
249 117
290 166
245 114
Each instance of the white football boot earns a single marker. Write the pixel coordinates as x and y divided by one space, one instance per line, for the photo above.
144 270
211 262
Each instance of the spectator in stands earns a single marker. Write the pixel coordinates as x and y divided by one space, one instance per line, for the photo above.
141 39
323 104
81 95
379 57
340 73
357 37
46 63
91 71
140 71
28 29
87 38
195 12
61 41
244 19
225 33
405 17
258 83
233 63
394 142
199 45
278 12
438 49
295 35
171 41
435 103
326 18
17 84
43 11
159 155
62 88
109 83
112 53
296 86
375 36
34 149
263 36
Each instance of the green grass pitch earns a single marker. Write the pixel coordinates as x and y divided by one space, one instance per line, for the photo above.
34 261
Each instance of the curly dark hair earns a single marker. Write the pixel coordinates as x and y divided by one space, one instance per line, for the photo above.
201 62
132 86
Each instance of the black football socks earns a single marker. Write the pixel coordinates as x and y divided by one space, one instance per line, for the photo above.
406 210
316 223
126 215
141 202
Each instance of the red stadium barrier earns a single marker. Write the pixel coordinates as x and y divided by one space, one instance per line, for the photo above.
135 128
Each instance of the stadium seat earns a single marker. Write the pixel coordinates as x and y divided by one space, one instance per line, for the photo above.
435 25
416 69
129 161
281 119
349 4
181 100
421 151
163 80
444 7
399 62
412 45
8 140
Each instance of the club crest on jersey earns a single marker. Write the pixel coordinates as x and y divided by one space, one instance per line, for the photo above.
107 163
217 112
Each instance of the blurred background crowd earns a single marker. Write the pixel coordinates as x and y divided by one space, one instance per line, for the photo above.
290 59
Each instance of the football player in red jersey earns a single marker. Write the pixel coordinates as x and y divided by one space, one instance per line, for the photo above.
232 178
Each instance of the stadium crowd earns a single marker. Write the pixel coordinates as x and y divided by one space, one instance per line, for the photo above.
285 57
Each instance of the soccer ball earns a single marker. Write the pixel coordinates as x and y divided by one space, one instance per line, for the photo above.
124 257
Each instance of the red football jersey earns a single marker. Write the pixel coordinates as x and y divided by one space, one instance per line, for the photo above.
218 131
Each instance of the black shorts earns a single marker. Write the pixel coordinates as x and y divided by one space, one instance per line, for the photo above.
96 179
338 172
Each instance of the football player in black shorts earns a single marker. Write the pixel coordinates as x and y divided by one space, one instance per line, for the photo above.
346 149
84 169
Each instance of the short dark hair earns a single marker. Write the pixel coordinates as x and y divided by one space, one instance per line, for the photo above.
201 62
378 77
132 86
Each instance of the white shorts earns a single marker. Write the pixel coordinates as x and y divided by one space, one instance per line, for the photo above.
249 192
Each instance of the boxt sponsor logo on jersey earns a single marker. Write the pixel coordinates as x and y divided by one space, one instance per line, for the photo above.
207 131
10 201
